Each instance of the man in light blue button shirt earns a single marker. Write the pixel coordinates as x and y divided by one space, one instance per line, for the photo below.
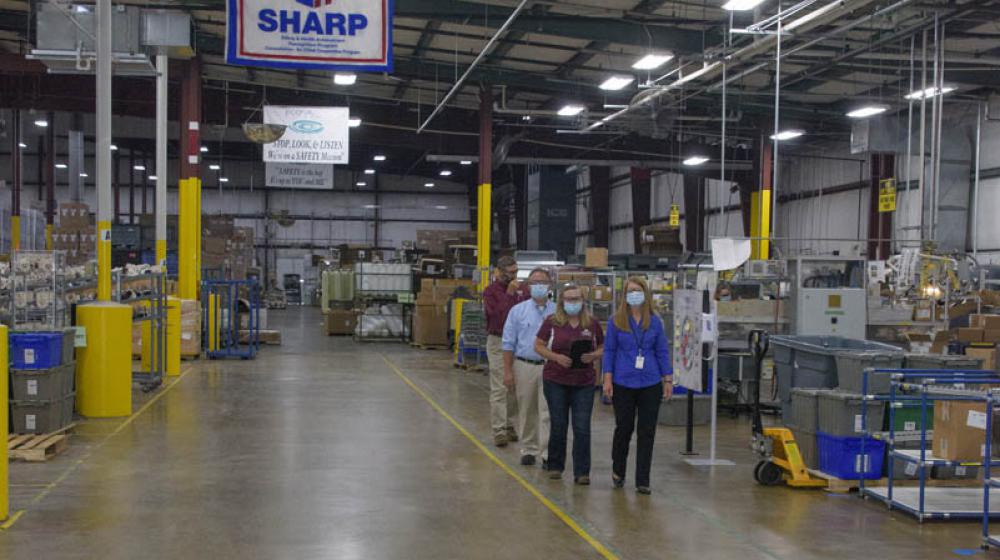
523 366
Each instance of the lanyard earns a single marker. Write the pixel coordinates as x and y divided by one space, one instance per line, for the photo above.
638 340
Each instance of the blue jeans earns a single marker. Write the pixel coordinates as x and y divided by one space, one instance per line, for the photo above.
562 400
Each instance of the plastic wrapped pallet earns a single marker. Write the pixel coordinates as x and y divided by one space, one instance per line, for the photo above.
190 327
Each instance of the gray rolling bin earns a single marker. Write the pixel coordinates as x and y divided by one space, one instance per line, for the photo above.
840 413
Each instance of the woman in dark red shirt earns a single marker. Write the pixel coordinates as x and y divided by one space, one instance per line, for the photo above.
571 341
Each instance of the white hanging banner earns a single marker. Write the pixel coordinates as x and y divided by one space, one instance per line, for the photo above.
299 175
313 134
313 34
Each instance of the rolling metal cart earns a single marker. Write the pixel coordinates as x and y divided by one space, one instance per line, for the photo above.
384 294
147 295
224 336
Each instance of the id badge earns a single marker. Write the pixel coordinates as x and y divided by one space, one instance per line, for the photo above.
640 361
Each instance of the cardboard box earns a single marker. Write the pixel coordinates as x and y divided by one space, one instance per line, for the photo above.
954 438
988 355
596 257
940 343
970 334
430 325
340 321
601 293
439 291
991 336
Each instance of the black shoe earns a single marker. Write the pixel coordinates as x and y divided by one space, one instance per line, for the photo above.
528 460
619 481
582 480
545 464
644 490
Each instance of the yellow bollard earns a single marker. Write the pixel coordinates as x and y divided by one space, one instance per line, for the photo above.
173 336
4 427
104 365
213 322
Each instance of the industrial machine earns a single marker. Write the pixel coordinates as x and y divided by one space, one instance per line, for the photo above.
780 459
828 297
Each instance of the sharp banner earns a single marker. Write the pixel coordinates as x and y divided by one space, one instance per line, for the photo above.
310 34
312 134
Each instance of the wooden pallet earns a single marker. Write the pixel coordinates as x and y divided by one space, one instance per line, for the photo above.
842 486
430 346
190 357
36 448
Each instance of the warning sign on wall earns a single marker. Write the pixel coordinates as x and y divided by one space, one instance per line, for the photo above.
887 195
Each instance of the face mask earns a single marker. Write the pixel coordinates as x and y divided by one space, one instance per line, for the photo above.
635 299
539 291
573 309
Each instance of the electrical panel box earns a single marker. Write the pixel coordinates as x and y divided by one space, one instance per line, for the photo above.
829 297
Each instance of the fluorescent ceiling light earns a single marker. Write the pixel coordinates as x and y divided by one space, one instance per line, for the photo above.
570 110
526 118
42 123
84 175
114 148
429 185
152 177
867 111
652 61
369 171
22 145
379 158
787 135
81 9
741 5
215 167
354 122
371 206
695 160
615 83
361 184
61 166
445 172
929 92
204 149
139 167
223 179
343 79
441 207
465 162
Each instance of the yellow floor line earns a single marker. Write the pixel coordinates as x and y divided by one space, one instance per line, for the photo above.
562 515
48 488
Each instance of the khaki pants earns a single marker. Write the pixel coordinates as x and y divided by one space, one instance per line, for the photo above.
532 410
503 404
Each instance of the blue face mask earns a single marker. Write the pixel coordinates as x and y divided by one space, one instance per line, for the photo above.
573 309
635 299
539 291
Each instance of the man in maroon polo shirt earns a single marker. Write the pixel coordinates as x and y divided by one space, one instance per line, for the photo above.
502 294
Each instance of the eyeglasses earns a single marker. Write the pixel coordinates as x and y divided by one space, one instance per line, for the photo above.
573 300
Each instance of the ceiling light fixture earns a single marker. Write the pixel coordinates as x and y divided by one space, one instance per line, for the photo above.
929 92
42 123
441 207
139 167
354 122
215 167
741 5
867 111
343 79
570 110
379 158
152 177
223 179
84 175
695 160
652 61
445 173
371 206
429 185
361 184
787 135
369 171
114 148
465 162
22 145
615 83
61 166
204 149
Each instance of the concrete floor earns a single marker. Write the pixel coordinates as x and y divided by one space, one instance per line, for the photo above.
320 449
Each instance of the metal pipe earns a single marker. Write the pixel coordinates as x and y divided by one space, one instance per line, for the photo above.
909 130
15 191
722 169
975 183
940 124
103 148
651 164
777 117
923 134
482 54
162 68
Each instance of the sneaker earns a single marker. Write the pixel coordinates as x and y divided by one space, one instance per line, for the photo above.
545 464
555 475
511 435
582 480
528 460
644 490
500 440
618 481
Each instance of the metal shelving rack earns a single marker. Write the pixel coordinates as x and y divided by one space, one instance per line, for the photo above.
147 294
365 298
926 386
222 333
472 338
989 482
23 287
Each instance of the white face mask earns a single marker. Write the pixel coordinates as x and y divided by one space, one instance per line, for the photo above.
635 298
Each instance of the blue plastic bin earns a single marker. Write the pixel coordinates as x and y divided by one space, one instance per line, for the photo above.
840 456
36 350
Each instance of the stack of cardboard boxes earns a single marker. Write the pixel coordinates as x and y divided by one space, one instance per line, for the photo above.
190 328
436 242
341 321
430 317
960 431
75 233
226 247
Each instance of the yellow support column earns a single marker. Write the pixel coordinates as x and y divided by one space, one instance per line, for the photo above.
173 336
4 427
104 365
104 261
48 237
485 228
760 225
189 239
213 326
15 233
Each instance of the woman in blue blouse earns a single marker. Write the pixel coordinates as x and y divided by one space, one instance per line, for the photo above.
637 376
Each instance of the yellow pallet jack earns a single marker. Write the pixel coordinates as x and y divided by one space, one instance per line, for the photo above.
780 460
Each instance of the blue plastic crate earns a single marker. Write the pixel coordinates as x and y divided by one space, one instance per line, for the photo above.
841 456
36 350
